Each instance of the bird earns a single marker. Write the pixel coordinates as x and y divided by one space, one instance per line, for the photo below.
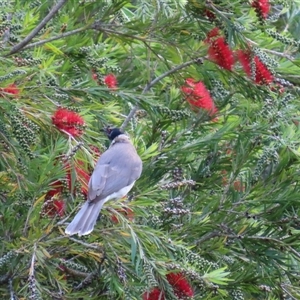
114 175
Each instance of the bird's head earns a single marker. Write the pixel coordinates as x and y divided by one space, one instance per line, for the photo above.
112 133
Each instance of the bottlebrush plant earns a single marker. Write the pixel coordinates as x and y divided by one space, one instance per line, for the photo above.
207 92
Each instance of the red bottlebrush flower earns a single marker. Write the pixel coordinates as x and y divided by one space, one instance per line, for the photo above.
59 207
198 96
238 186
68 121
94 76
53 206
155 294
262 8
111 81
82 176
219 51
244 58
95 151
215 32
221 54
10 89
209 14
127 212
181 286
57 188
262 74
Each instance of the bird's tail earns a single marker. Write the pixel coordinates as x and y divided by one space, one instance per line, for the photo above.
85 219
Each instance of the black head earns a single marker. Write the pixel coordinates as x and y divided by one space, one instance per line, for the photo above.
112 133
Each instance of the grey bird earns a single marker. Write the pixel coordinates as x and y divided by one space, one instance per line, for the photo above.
113 177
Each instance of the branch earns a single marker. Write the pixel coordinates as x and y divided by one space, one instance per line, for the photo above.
94 26
152 83
90 277
296 253
36 30
287 56
97 26
87 280
11 290
42 42
206 237
6 34
95 247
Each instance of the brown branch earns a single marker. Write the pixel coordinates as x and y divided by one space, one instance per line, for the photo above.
36 30
73 272
152 83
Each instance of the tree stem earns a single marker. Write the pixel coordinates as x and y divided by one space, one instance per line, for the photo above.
36 30
42 42
152 83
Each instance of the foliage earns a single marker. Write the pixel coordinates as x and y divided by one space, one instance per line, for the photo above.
217 203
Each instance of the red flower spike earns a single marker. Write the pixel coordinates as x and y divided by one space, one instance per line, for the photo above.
198 96
209 14
95 150
57 188
215 32
10 89
181 286
263 75
155 294
221 54
127 212
59 206
238 186
262 8
94 76
68 121
82 176
218 50
244 58
54 207
111 81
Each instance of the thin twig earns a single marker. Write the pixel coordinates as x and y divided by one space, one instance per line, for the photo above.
207 237
42 42
151 84
32 281
36 30
5 278
87 280
75 31
289 57
95 247
296 253
11 290
75 272
98 26
31 269
90 277
6 34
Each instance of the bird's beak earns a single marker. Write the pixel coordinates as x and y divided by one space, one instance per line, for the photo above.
107 130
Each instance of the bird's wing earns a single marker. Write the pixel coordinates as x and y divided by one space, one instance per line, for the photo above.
118 167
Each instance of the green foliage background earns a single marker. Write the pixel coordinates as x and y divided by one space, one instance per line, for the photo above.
235 237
